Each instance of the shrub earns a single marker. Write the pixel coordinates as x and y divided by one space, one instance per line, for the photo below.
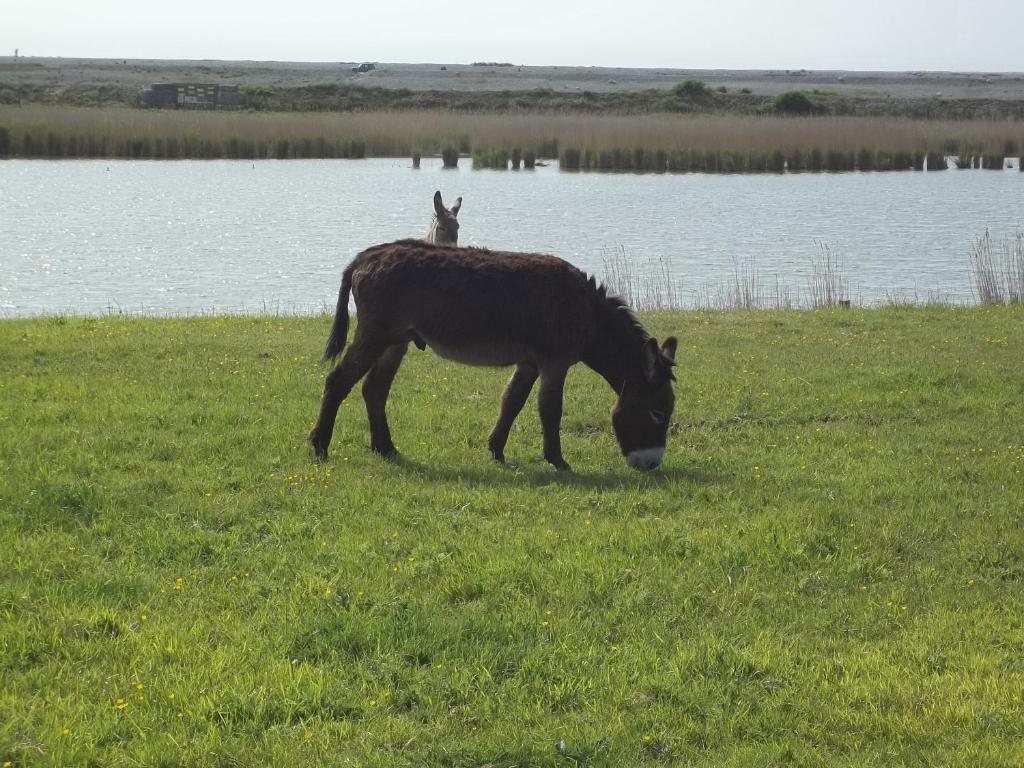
838 160
992 161
496 158
793 103
936 161
450 157
5 141
569 159
690 88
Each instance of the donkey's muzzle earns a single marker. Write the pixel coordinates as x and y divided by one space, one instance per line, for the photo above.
646 458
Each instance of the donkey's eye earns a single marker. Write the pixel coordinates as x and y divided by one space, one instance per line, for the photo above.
658 417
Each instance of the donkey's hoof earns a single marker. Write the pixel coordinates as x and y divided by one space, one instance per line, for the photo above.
319 449
388 452
560 464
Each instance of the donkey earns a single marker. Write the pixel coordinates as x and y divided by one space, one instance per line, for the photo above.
444 229
536 312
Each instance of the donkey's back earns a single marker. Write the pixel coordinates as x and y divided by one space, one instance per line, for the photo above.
473 305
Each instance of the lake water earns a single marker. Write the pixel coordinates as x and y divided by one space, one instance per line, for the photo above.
182 237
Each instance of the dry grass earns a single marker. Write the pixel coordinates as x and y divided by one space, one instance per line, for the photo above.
827 287
744 290
401 133
997 270
645 287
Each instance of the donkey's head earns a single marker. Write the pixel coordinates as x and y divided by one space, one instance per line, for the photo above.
642 413
444 230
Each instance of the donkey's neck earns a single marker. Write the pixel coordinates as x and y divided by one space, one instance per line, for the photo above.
615 347
436 235
432 233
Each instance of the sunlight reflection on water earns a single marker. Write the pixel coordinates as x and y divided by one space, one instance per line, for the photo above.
177 237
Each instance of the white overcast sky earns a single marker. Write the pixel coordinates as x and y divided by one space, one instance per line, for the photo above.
717 34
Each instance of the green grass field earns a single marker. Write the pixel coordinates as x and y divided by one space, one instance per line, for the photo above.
828 570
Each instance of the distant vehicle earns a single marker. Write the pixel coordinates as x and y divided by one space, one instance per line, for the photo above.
365 67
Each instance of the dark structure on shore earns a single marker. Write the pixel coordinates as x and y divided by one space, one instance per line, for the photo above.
194 96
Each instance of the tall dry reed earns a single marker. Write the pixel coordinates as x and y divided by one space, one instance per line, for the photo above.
71 131
826 286
997 269
647 286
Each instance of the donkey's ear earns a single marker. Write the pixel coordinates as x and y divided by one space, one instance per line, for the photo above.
649 360
668 348
438 205
454 210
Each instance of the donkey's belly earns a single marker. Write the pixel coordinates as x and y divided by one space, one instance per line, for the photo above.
478 353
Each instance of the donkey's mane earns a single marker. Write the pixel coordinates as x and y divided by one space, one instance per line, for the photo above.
623 315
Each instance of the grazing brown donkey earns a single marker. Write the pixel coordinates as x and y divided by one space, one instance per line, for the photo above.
536 312
444 229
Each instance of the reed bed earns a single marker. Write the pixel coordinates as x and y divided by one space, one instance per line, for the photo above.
745 161
654 142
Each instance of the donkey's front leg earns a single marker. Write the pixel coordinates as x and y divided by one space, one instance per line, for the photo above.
512 401
552 384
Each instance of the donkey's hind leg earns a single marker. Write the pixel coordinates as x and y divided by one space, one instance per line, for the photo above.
361 355
512 401
376 387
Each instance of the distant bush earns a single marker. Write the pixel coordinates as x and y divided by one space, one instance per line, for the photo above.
5 141
450 157
793 103
690 88
569 159
496 158
992 161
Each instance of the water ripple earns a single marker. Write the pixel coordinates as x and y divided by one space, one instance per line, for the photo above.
188 237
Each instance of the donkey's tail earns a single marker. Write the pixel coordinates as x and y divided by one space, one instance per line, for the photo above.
339 331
